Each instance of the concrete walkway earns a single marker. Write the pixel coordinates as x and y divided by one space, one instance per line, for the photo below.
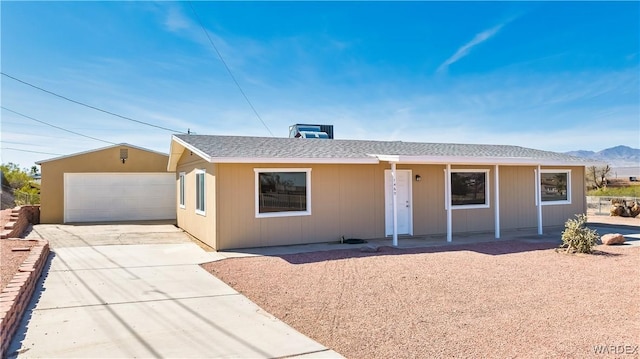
629 229
129 300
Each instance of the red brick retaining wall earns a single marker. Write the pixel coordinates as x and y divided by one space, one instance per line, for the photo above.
15 298
19 220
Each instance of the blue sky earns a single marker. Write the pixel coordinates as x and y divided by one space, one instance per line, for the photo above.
553 76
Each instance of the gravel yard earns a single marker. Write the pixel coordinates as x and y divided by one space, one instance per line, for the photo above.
5 214
11 260
499 299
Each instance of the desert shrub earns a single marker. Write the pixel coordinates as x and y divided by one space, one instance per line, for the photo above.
576 237
26 196
628 191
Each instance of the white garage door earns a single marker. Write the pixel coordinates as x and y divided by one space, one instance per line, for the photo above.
101 197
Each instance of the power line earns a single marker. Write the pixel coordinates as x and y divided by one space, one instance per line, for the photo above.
32 134
54 126
228 69
90 106
19 143
21 150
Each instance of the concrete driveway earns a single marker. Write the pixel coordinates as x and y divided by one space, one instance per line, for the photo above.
136 290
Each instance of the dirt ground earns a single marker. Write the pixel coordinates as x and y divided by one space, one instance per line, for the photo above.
498 299
5 214
11 260
606 219
487 300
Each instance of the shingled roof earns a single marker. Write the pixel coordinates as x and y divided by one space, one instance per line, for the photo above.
243 149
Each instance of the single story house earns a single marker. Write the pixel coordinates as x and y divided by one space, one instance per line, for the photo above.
116 183
239 192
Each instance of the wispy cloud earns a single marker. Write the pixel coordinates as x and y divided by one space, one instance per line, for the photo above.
466 48
175 20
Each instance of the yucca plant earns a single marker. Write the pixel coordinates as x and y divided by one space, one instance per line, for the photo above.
576 237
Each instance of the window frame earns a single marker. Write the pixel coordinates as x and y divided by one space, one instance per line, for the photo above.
200 205
487 189
307 212
559 202
181 189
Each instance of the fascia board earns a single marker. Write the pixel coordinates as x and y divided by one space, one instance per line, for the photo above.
192 148
505 161
96 150
387 158
362 161
174 155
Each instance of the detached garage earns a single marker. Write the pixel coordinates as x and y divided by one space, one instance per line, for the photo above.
116 183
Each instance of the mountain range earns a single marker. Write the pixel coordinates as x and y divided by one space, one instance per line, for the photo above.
618 156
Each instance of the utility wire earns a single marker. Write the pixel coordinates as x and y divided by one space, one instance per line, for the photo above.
21 150
228 69
54 126
90 106
18 143
32 134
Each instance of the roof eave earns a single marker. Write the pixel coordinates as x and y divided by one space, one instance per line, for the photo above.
177 151
472 160
98 149
293 160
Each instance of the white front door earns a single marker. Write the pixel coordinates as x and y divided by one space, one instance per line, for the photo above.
404 203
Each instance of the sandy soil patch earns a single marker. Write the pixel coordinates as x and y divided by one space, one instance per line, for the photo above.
499 299
5 215
11 260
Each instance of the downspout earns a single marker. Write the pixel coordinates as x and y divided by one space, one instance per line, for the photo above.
539 199
394 203
447 196
497 203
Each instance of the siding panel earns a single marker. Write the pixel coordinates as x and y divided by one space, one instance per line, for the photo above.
349 200
517 197
344 201
199 226
429 215
556 215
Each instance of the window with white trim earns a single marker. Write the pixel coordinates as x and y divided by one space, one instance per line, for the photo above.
181 189
200 191
555 187
469 189
282 192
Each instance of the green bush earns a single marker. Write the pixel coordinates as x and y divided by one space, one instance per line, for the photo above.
16 177
26 197
576 237
629 191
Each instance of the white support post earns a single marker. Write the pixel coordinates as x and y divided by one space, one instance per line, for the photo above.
539 199
447 197
497 203
394 203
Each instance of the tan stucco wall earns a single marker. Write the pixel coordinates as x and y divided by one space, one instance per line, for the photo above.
106 160
518 203
556 215
348 200
517 197
345 200
429 216
198 225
